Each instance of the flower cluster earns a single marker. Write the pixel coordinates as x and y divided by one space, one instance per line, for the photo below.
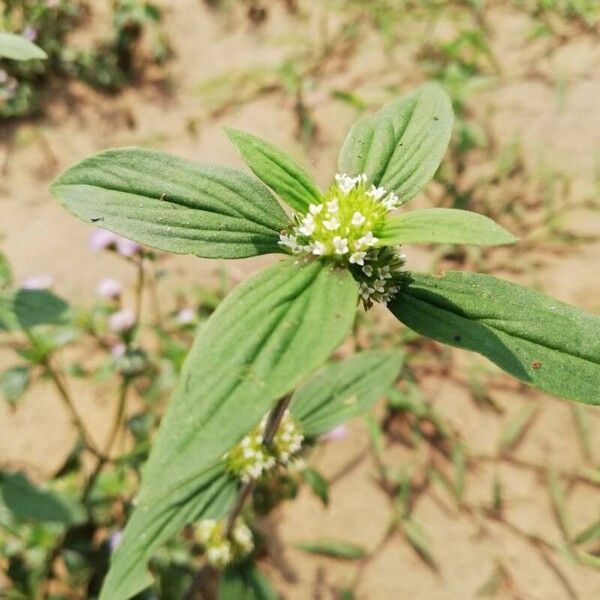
252 457
219 550
342 228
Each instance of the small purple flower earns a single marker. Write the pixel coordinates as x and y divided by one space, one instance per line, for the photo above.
118 350
121 321
29 33
37 282
186 316
102 239
127 247
336 434
109 288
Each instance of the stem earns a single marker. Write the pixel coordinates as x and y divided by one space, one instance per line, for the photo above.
68 402
273 420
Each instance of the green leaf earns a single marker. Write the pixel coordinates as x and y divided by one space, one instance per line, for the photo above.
333 548
419 541
5 272
268 335
173 204
442 226
23 309
278 170
401 146
514 430
16 47
27 501
589 533
14 383
317 483
537 339
245 582
559 504
344 390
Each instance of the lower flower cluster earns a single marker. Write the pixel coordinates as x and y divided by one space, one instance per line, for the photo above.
251 458
342 227
220 550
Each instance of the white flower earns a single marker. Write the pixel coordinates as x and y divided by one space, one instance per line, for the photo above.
308 225
358 258
368 270
318 248
340 244
315 209
384 272
366 240
109 288
379 285
118 350
332 207
376 192
391 201
358 218
332 224
365 290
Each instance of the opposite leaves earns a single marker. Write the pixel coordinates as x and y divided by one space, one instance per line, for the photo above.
267 336
537 339
173 204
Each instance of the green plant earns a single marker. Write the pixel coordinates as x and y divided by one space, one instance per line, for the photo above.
275 329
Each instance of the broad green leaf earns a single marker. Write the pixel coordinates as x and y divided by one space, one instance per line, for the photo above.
278 170
401 146
537 339
267 336
25 500
16 47
173 204
333 548
245 582
14 383
23 309
344 390
515 428
442 226
317 483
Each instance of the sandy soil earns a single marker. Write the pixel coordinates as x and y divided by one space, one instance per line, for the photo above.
560 130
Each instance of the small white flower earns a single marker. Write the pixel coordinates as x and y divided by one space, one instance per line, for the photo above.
379 285
358 258
365 290
37 282
332 224
315 209
308 225
332 207
384 272
368 270
391 201
376 192
318 248
340 244
358 218
186 316
366 240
